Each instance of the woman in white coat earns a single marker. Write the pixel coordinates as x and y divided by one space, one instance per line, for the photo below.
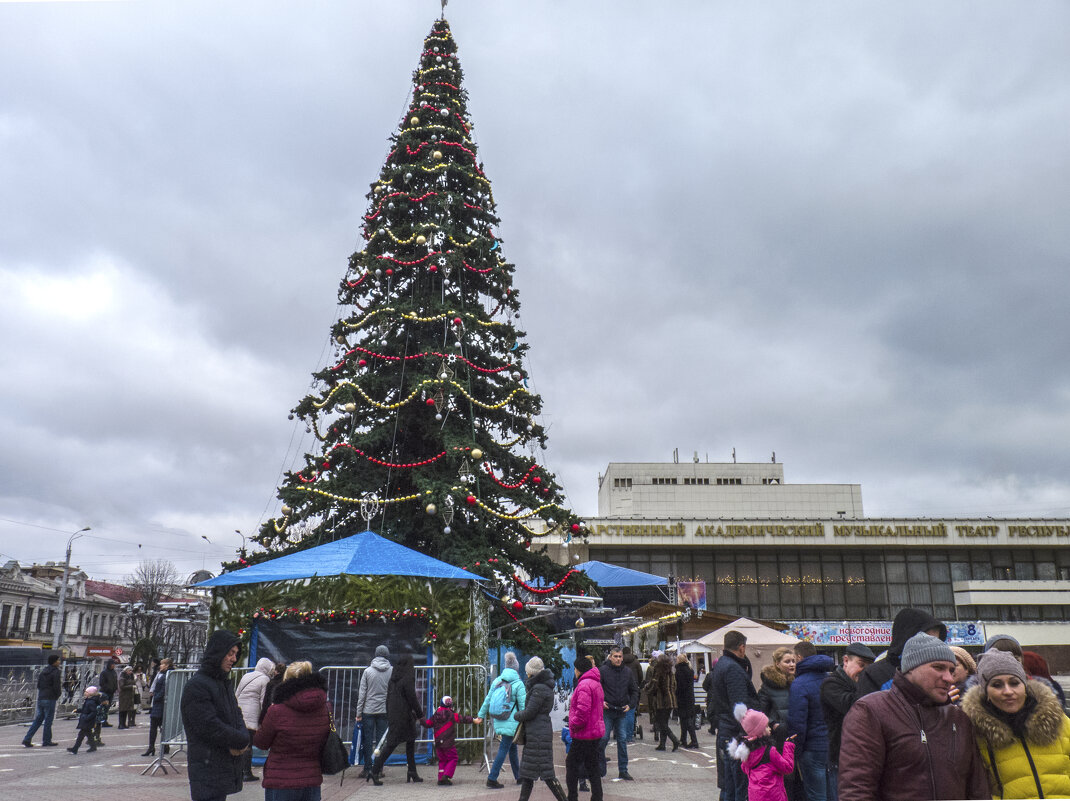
250 695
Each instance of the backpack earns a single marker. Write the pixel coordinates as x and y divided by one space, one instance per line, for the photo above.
501 700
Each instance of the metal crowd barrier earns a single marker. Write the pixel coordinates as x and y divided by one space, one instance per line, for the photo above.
18 688
465 684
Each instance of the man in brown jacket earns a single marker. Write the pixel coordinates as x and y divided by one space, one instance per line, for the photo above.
908 743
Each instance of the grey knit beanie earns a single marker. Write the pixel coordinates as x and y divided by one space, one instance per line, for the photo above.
998 663
511 661
923 648
534 666
383 651
1016 647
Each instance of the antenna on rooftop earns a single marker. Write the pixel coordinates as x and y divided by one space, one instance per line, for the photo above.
733 456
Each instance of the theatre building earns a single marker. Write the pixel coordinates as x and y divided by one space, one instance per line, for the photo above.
806 554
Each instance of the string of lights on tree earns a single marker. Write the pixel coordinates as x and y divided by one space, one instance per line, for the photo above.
425 424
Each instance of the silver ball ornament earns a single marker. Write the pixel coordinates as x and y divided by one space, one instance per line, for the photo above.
447 530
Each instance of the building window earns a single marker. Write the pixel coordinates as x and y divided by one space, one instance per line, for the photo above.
663 482
622 483
770 480
696 482
724 482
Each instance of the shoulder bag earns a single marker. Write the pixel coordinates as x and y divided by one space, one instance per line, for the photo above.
334 757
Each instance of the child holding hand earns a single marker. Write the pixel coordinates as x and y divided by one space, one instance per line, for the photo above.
764 766
87 719
444 724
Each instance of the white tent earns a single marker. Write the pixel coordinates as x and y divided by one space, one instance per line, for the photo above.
761 642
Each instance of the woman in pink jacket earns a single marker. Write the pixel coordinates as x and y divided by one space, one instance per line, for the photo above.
587 727
764 766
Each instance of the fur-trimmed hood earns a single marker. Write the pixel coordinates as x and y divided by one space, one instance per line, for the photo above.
291 688
775 677
1042 727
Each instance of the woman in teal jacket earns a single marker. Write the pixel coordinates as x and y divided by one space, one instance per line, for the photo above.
506 728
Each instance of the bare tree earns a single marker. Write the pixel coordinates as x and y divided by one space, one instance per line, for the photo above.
154 581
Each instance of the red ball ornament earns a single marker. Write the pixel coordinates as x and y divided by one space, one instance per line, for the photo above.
433 268
518 605
536 480
456 320
430 401
575 528
363 362
470 500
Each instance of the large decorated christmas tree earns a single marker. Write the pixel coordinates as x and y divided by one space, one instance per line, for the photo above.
426 425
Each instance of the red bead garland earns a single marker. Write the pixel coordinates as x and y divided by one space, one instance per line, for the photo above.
522 482
384 357
538 591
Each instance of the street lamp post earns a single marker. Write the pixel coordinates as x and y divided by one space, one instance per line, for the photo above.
57 635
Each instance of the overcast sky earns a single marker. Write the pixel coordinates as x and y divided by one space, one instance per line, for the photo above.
834 231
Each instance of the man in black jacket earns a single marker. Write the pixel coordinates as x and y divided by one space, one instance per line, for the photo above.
108 684
49 687
907 623
216 736
731 684
621 692
838 692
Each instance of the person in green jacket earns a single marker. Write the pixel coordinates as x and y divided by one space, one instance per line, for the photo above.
505 728
1022 733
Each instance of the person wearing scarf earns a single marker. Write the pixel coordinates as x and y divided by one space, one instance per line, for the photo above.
1022 733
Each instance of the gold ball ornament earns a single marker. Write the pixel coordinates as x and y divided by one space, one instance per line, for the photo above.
437 155
414 120
341 340
421 239
477 453
430 508
286 510
350 407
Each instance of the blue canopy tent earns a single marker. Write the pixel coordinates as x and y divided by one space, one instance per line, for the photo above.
625 589
606 575
365 554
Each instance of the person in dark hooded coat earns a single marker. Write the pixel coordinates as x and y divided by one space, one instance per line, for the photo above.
403 710
215 730
907 623
537 761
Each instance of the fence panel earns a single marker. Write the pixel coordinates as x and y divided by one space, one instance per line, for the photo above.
18 688
466 684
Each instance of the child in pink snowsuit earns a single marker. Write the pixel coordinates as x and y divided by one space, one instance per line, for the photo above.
444 724
764 766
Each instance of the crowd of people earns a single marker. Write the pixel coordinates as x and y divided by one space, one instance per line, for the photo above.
127 691
924 721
